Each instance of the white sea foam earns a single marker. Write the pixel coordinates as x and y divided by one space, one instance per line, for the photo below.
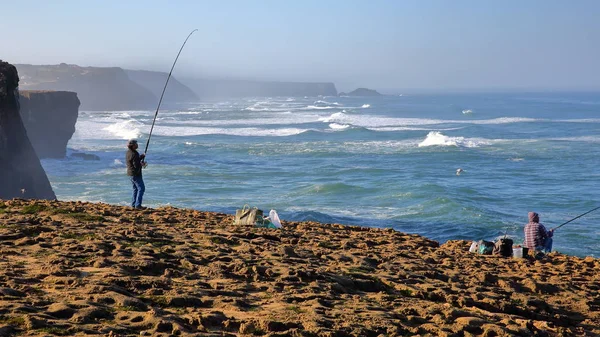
501 120
188 113
118 163
337 126
314 107
174 131
374 121
410 128
585 120
435 138
586 139
254 108
467 111
364 106
125 130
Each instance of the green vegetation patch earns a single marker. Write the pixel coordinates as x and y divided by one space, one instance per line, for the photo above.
55 331
160 301
86 217
295 309
11 320
360 269
80 216
405 292
78 237
327 244
33 209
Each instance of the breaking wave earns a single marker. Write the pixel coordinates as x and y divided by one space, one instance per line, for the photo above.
337 126
435 138
125 130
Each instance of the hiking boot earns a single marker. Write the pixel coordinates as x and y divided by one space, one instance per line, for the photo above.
140 207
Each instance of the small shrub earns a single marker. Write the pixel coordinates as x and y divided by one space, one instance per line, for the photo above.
33 209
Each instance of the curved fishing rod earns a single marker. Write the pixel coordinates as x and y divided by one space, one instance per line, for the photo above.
163 92
575 218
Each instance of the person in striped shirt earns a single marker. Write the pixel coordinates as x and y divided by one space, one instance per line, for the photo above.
537 237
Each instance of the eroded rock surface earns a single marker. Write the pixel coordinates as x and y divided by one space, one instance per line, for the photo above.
77 268
49 118
21 174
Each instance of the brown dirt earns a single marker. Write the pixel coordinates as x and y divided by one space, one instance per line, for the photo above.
72 268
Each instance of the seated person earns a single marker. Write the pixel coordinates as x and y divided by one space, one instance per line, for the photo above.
537 237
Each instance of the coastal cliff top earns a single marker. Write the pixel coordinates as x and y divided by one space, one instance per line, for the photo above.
29 92
84 268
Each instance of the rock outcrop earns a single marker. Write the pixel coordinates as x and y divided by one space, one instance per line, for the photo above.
97 269
154 81
361 92
97 88
49 118
207 88
21 174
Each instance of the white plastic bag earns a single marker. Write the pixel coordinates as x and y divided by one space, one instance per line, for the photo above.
274 218
474 247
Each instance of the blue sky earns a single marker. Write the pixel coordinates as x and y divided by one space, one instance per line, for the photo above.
386 45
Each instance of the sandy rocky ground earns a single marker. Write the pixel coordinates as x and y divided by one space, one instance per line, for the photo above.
72 268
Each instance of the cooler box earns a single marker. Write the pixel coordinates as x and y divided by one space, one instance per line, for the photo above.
520 252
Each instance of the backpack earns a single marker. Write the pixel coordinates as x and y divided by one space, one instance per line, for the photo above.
485 247
503 247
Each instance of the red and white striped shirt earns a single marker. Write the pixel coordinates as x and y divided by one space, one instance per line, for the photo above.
535 235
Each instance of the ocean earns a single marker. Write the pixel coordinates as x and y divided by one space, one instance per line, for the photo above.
388 161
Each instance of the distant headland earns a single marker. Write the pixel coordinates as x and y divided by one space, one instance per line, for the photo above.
100 88
361 92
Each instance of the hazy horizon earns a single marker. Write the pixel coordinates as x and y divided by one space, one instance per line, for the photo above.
389 46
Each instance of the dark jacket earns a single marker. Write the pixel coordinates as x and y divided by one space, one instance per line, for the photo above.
134 163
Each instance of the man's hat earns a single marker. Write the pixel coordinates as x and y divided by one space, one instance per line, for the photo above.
132 141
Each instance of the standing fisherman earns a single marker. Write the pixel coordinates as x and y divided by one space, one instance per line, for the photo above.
135 163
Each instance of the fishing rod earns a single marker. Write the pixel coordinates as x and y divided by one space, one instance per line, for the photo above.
163 92
575 218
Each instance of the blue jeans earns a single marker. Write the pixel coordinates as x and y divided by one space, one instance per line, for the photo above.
547 247
138 191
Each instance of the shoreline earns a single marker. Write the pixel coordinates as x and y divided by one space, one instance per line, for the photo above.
94 268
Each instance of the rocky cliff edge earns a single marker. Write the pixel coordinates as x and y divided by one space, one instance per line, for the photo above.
21 174
49 118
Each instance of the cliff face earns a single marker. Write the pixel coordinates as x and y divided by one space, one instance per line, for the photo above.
97 88
118 89
238 88
49 118
154 81
21 174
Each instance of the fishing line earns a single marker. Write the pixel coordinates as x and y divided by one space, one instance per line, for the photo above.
577 217
163 92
